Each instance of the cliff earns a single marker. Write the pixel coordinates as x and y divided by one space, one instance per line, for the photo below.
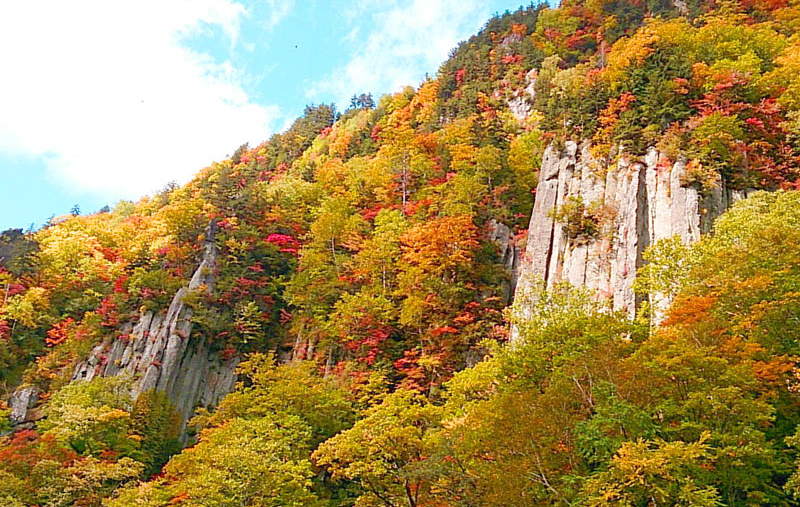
635 203
159 352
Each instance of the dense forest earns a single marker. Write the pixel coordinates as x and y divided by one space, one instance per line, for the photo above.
349 270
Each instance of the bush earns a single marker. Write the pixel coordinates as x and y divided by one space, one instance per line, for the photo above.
581 223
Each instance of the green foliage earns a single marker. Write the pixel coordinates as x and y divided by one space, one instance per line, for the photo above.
585 407
383 450
86 482
525 158
97 417
248 462
154 287
5 423
16 249
477 65
655 473
581 223
284 148
156 426
91 417
255 449
269 389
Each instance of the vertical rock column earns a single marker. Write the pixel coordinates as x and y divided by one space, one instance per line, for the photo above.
159 352
646 201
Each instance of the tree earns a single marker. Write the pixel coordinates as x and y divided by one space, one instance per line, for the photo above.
363 101
655 473
385 451
262 461
443 247
91 417
255 448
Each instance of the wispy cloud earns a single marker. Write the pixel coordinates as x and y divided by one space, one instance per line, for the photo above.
406 39
277 10
106 92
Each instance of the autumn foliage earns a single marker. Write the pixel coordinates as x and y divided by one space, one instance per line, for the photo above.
355 279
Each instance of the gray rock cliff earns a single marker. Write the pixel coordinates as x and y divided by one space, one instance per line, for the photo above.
160 352
509 254
643 200
21 402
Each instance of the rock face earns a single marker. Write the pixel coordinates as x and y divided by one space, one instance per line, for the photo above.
21 402
520 104
643 201
159 353
509 252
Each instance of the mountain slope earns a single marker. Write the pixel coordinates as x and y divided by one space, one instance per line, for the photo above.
373 253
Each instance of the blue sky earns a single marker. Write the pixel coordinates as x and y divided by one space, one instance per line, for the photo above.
102 101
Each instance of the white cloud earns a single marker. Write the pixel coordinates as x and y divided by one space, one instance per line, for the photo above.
277 10
406 39
106 93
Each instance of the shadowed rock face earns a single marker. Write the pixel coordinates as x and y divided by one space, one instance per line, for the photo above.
161 354
643 201
509 254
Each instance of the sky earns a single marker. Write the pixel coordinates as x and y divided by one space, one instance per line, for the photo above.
108 100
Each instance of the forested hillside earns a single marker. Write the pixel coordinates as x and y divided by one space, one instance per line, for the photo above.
359 273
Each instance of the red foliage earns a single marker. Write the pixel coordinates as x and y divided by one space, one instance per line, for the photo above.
507 59
371 213
500 333
224 224
21 451
376 133
551 33
755 122
580 39
15 288
460 75
368 346
409 367
439 331
60 332
109 311
764 145
110 254
119 284
286 243
5 330
765 5
682 85
227 353
414 206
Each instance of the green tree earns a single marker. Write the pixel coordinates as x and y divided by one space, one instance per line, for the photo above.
655 473
385 451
